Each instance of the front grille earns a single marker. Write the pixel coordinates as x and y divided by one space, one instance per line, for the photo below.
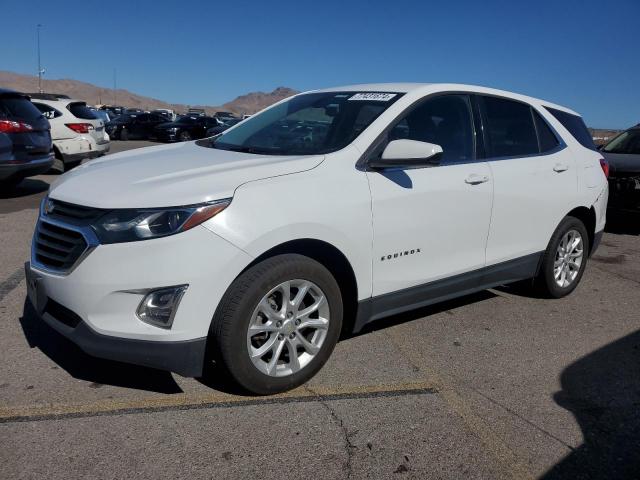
56 247
71 213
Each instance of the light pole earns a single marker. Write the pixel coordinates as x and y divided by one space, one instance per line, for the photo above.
40 69
115 98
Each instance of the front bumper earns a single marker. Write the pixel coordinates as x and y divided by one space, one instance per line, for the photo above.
101 295
23 169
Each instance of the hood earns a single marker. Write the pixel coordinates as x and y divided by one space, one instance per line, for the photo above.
170 175
623 162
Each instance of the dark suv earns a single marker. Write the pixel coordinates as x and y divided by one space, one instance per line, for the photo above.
623 155
25 140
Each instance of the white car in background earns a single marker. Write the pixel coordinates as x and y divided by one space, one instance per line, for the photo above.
76 131
323 213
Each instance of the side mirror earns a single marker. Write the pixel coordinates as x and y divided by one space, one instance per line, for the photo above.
405 154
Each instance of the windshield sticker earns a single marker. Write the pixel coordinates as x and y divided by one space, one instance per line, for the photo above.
377 97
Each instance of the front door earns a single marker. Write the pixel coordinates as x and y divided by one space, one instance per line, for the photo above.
431 223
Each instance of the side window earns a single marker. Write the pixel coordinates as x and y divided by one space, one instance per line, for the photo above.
48 111
547 139
446 121
509 129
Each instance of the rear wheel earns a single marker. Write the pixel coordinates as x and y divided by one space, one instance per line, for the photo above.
565 259
278 323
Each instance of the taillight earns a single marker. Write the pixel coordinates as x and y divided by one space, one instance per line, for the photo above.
9 126
605 167
80 127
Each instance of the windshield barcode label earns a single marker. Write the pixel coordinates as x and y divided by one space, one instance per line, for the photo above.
377 97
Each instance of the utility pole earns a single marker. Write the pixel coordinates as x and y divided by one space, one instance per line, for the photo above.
115 95
40 69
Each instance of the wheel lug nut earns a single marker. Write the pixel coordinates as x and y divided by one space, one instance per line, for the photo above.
281 337
292 336
290 314
297 322
278 324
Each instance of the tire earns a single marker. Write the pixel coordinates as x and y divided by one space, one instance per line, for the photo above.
124 134
242 306
62 166
547 282
10 184
184 136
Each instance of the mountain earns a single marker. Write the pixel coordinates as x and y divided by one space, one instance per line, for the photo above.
95 95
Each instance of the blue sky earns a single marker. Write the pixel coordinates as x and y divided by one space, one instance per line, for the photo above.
582 54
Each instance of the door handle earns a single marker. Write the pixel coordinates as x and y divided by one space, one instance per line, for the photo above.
475 179
560 167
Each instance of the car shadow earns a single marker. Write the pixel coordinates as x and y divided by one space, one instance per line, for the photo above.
26 195
622 222
85 367
602 391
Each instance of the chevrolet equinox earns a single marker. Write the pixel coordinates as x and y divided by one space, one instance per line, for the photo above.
327 211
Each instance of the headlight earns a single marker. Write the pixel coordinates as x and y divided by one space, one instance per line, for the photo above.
142 224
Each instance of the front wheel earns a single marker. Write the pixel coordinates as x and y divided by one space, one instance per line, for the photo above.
278 323
184 136
565 259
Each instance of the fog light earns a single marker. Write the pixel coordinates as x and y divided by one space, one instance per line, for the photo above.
158 307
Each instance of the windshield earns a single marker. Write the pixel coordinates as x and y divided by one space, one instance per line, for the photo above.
308 124
626 142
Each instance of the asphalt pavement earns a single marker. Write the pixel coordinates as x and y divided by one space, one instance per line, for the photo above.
495 385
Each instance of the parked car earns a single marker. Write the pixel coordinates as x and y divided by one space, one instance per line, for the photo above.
25 139
101 114
222 127
168 114
185 128
224 116
196 112
134 126
623 155
113 111
263 248
77 132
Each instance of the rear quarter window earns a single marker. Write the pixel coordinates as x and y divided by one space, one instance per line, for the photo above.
575 125
80 110
18 107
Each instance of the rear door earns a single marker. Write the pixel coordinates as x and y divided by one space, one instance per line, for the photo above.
535 183
431 223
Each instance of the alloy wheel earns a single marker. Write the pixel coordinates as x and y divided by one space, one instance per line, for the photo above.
568 259
288 327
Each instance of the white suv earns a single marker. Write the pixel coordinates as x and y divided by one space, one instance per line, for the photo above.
76 131
324 212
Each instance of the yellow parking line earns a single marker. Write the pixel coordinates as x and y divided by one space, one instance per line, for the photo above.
187 401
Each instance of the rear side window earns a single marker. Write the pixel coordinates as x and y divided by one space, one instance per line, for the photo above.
80 110
546 137
48 111
510 130
576 127
18 107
